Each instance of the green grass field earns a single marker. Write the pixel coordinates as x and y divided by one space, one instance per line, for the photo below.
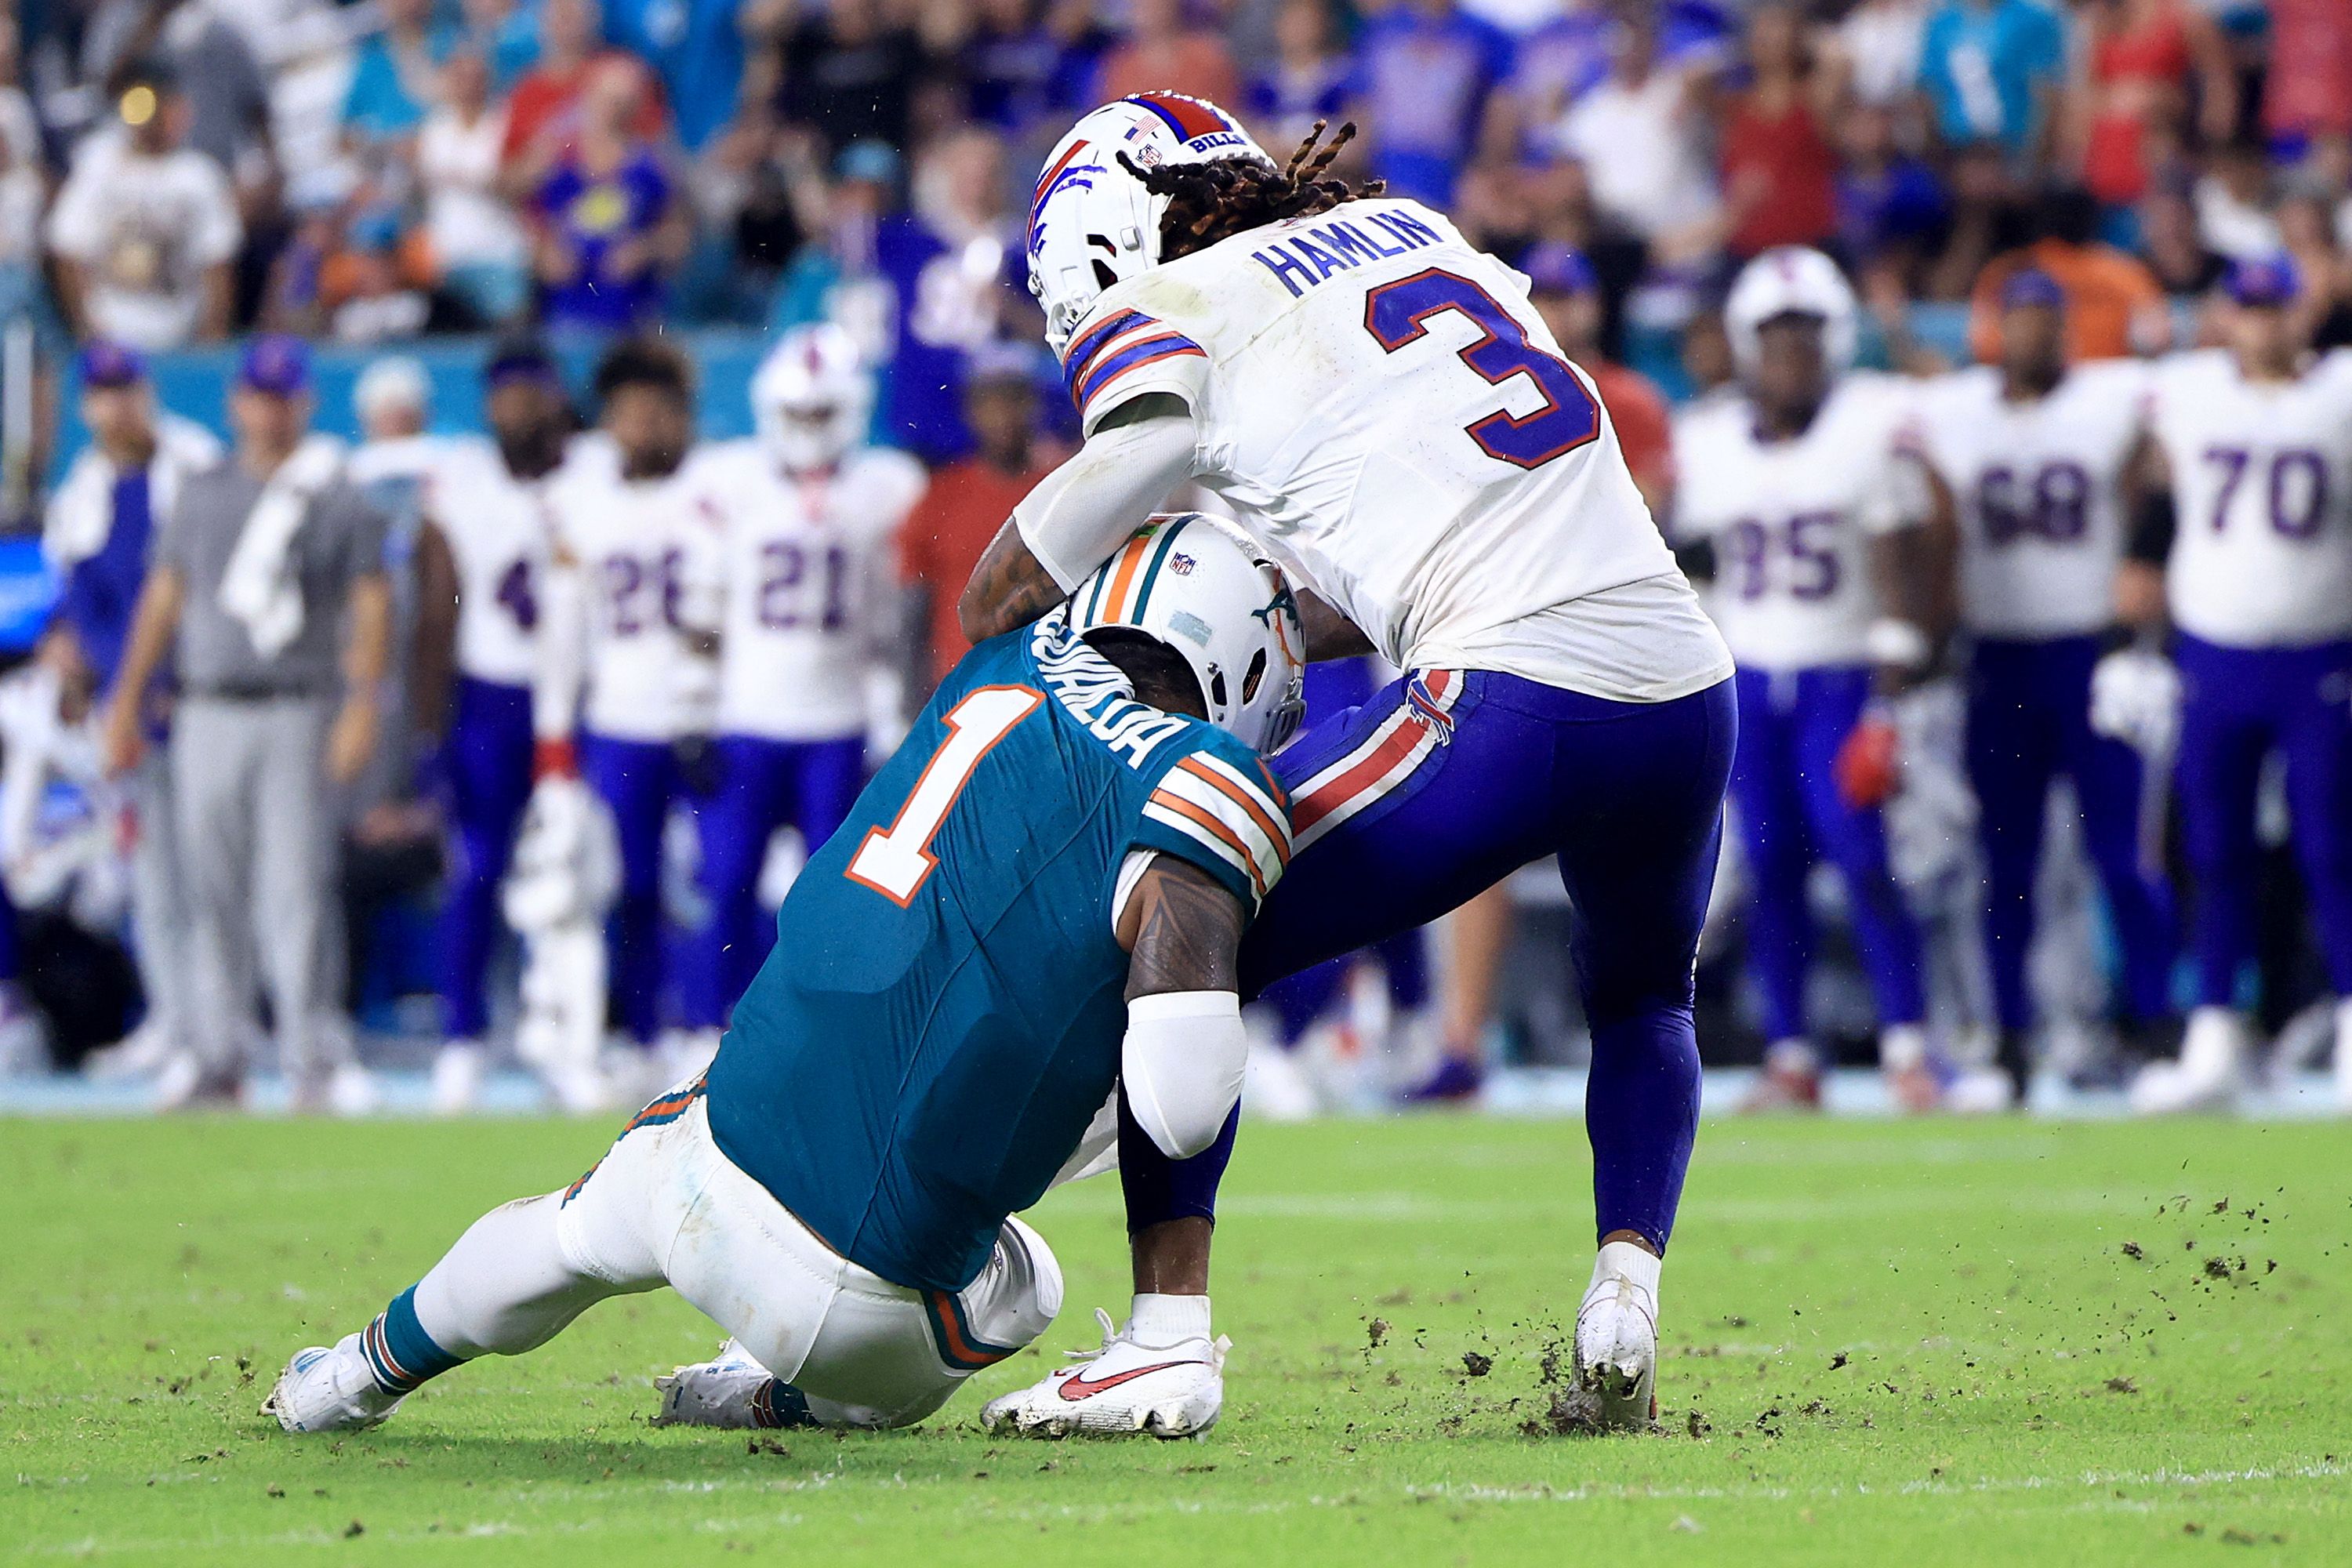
1920 1343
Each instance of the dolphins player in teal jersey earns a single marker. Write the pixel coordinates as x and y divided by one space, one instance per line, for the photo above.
1020 946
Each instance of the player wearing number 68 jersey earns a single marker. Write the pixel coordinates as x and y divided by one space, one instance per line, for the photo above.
482 564
2039 457
2255 551
1800 497
810 511
1386 412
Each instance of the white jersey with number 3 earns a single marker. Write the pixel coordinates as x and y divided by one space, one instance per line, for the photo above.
1791 520
1385 409
2262 486
640 545
803 560
496 527
2038 487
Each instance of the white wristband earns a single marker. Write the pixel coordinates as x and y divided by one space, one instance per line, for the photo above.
1898 643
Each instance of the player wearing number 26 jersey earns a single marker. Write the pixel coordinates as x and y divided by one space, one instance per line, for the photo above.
810 513
1387 414
2036 455
2259 581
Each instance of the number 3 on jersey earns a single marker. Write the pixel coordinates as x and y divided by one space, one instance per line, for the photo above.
1398 314
894 860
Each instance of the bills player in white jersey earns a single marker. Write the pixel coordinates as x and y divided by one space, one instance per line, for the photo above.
481 567
1800 492
2039 458
1385 409
2255 560
811 511
624 655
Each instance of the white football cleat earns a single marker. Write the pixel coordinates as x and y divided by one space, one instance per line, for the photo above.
1617 1339
2209 1075
1123 1388
457 1069
324 1390
731 1389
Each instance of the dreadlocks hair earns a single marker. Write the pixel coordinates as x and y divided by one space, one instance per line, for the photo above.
1214 201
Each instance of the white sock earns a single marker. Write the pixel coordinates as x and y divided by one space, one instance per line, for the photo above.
1623 1260
1795 1054
1168 1319
1902 1046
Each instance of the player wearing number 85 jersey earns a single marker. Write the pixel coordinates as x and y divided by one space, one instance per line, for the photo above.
2256 558
1386 412
810 511
1806 503
2038 456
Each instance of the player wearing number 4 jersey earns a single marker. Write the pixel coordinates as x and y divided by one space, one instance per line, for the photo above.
810 513
2256 552
1039 898
1385 410
482 557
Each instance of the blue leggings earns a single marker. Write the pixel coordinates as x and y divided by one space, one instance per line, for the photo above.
639 782
1442 785
762 785
2029 721
489 759
1791 727
2238 706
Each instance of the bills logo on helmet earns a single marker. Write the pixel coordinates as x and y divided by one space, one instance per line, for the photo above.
1197 124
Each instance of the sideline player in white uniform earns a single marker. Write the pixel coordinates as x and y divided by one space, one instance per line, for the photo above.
481 567
811 511
1383 407
2256 574
2038 456
624 652
1812 515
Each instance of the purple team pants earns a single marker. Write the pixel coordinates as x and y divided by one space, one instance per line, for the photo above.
1441 785
488 761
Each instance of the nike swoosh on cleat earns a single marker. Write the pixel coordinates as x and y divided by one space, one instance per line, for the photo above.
1080 1387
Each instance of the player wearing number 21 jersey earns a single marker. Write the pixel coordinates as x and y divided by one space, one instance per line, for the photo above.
2258 440
810 515
2036 455
1387 414
1794 484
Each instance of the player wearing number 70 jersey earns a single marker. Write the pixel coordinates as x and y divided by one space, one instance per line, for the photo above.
2255 553
810 513
1386 412
1038 899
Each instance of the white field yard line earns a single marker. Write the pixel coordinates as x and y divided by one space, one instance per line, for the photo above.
1145 1507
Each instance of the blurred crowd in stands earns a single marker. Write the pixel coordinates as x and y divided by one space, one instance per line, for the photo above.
179 170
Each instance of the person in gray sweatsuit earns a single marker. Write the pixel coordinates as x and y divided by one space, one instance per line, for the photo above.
278 621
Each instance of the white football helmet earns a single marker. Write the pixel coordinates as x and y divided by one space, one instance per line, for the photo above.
811 397
1791 280
1193 582
1091 223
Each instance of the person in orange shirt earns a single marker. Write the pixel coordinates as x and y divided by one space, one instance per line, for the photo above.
2115 306
1567 294
1163 53
968 501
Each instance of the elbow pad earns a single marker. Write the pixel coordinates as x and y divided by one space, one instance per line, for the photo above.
1086 508
1182 1067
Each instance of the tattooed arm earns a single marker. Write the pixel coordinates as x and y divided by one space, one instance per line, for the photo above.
1078 514
1182 930
1181 1063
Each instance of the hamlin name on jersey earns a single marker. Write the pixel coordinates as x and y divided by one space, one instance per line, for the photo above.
1381 404
2261 482
2038 485
1790 521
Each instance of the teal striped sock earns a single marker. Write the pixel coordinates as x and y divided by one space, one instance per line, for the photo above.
400 1354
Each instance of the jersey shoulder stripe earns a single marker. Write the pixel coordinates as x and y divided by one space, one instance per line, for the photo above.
1262 814
1123 344
1214 799
1210 832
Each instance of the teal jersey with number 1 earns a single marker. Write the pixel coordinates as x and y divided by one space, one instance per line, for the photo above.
941 1016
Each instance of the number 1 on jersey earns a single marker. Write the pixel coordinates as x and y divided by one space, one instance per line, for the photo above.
894 860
